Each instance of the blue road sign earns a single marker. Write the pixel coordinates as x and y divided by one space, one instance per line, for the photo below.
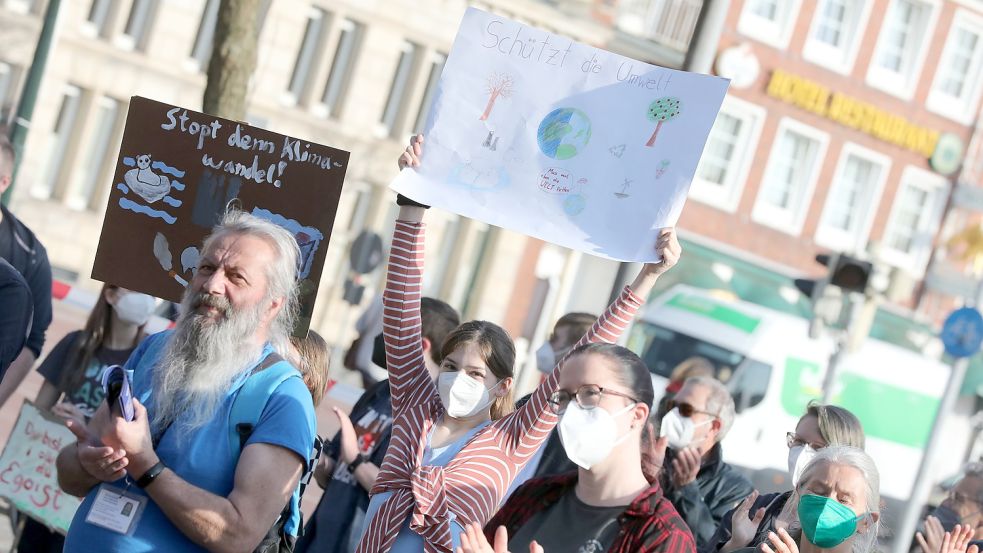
962 332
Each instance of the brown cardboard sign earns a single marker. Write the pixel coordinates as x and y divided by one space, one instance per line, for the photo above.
177 172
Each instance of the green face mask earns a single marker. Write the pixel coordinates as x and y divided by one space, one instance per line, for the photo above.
825 522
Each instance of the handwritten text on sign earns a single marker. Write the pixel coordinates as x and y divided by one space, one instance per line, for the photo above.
28 477
560 140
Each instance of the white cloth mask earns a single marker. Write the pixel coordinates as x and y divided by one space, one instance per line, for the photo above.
798 457
134 307
680 429
589 435
462 395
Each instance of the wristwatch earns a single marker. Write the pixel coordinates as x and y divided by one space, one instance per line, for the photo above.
355 463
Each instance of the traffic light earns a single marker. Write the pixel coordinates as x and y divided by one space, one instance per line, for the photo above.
845 272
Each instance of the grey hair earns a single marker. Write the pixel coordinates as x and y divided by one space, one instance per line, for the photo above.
719 402
974 469
281 275
858 459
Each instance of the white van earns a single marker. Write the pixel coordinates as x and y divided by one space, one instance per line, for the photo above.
774 369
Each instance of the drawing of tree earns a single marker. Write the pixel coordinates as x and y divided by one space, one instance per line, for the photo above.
499 84
662 110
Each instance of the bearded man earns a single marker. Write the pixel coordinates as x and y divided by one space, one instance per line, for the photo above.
169 480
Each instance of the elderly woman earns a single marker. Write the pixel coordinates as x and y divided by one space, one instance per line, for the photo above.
820 427
836 503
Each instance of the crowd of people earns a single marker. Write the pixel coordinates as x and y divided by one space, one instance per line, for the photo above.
438 457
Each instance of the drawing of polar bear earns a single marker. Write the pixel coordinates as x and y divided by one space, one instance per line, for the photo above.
148 185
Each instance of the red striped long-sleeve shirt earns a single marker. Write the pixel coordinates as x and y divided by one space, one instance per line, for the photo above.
470 488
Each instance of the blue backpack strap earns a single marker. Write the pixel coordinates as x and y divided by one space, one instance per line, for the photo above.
250 400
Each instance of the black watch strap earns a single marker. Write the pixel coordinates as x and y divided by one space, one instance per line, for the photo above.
354 464
151 475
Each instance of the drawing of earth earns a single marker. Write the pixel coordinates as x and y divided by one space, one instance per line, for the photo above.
564 133
574 204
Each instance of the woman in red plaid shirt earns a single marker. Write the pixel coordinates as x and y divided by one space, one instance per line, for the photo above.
608 505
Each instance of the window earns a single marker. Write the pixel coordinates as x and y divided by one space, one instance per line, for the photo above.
23 6
790 176
201 52
138 24
722 171
749 385
901 47
98 17
436 67
95 162
852 200
339 77
7 91
769 21
959 78
58 142
396 103
317 22
914 219
835 33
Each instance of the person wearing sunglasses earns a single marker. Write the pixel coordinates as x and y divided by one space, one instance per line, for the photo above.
697 481
607 505
750 523
962 506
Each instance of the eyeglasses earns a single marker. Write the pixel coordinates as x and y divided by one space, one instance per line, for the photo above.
587 396
793 440
687 410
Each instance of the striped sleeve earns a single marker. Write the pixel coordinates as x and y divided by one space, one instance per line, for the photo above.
402 325
534 421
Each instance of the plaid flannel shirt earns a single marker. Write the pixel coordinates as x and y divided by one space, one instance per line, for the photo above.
649 525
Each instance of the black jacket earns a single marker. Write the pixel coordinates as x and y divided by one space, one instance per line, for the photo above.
31 260
15 315
718 488
772 503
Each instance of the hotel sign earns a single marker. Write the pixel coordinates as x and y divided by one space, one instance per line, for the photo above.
862 116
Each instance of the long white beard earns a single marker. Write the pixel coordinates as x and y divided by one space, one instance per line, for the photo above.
202 359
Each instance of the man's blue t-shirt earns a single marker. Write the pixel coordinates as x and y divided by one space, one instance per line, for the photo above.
203 459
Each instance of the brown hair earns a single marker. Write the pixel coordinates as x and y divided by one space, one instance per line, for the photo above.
579 324
497 351
313 362
837 425
89 340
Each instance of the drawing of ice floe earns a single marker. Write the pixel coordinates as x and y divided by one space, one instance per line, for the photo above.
148 181
308 238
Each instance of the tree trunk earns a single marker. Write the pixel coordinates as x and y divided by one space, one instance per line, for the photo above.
233 59
488 108
651 141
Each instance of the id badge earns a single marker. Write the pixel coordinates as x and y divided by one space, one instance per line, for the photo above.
116 510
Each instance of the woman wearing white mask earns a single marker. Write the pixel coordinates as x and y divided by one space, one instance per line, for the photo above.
451 459
73 370
837 506
603 400
821 426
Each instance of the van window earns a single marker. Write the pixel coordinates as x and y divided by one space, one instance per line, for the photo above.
750 383
663 350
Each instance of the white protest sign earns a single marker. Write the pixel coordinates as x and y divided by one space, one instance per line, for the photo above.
28 478
559 140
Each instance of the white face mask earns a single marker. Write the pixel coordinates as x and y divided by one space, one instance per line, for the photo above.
589 435
798 457
134 308
680 429
462 395
545 358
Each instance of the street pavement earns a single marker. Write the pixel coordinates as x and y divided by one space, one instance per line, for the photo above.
67 318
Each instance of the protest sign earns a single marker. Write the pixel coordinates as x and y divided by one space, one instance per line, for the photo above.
533 132
177 171
28 477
